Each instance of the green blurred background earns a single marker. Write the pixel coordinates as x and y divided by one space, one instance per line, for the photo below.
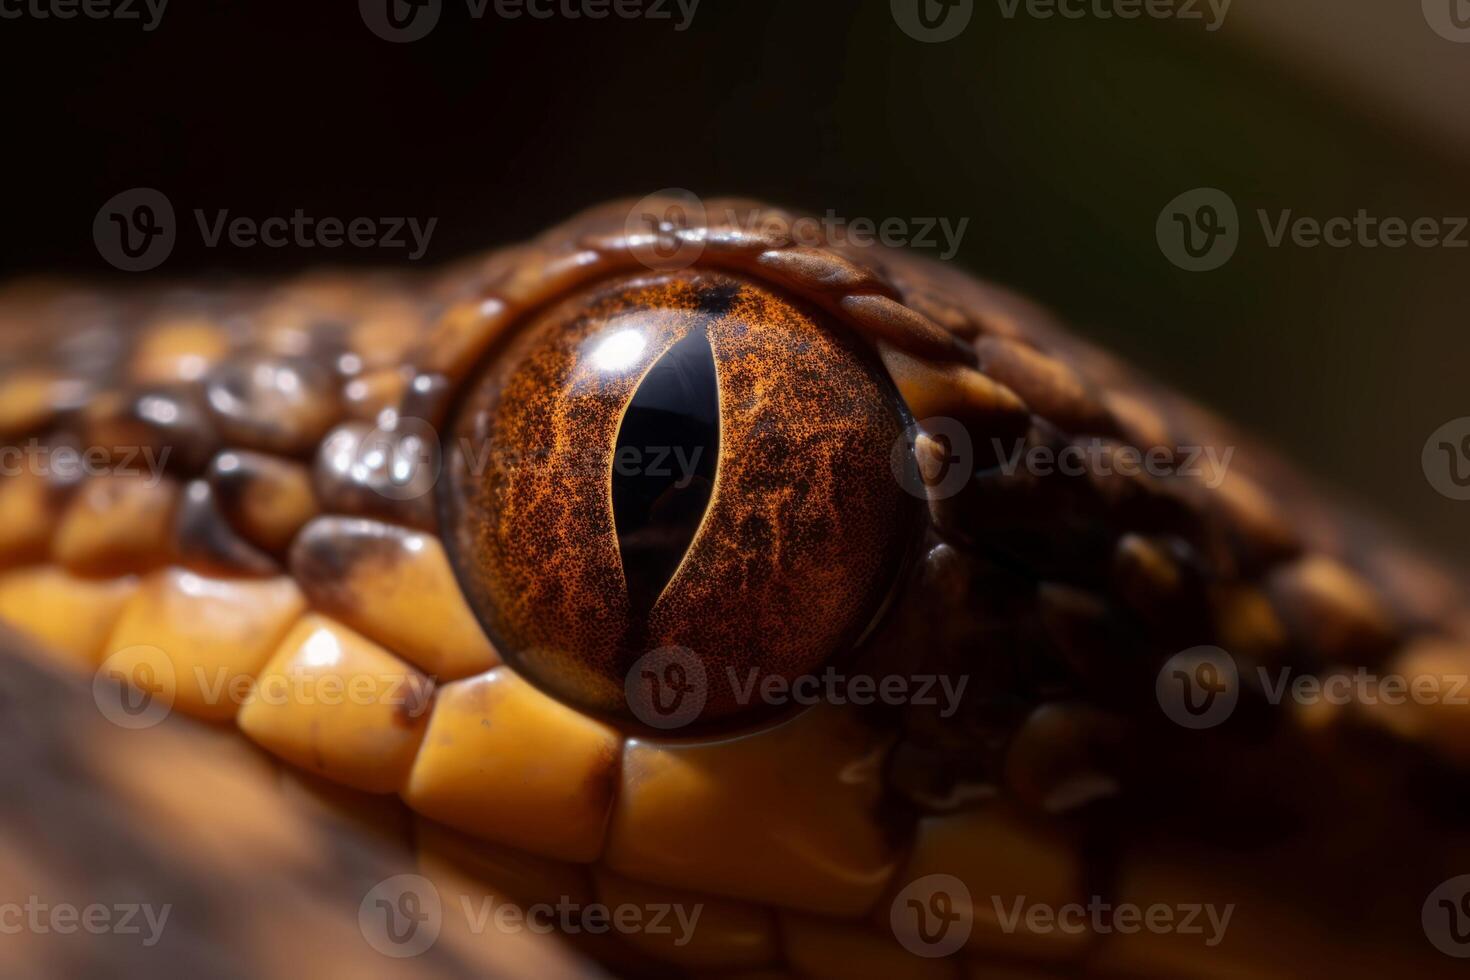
1060 140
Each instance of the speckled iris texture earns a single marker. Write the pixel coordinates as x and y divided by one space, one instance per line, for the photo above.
804 533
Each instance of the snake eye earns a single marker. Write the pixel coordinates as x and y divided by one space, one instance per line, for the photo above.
688 461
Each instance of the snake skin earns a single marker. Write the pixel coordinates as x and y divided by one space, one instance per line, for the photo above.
1061 597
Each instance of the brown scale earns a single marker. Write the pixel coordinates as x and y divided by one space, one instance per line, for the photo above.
357 471
266 498
205 541
281 404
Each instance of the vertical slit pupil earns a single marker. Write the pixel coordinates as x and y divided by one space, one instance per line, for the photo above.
664 465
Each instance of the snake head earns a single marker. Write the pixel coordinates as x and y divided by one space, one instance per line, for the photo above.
685 555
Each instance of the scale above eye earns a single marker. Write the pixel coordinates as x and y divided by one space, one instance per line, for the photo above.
691 462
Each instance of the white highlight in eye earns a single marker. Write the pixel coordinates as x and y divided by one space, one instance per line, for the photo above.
619 351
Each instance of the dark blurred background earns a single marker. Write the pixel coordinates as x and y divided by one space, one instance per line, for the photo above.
1060 140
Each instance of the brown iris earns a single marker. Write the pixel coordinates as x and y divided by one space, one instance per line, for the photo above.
684 461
